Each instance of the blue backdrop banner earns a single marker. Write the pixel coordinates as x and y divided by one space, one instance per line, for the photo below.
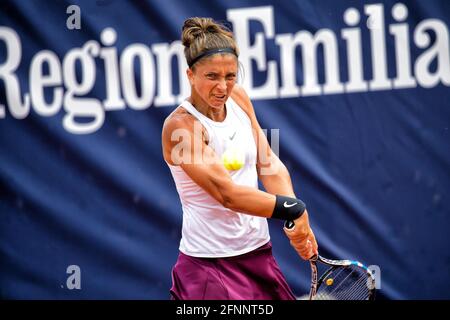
354 96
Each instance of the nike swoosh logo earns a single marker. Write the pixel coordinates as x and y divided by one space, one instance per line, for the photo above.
286 205
231 138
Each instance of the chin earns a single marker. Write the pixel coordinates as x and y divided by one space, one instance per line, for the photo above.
217 105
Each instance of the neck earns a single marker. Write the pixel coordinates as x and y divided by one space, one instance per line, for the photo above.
215 114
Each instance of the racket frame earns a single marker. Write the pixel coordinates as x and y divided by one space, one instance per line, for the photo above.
315 283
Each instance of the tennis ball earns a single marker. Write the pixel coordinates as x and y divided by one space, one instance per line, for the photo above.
330 281
233 159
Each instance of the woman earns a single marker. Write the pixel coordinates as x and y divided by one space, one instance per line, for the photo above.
225 249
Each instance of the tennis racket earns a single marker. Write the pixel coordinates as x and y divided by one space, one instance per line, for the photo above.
342 279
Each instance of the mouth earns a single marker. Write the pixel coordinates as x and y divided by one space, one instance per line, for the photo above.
220 97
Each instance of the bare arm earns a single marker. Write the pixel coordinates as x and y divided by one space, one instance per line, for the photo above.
280 181
272 173
276 179
205 168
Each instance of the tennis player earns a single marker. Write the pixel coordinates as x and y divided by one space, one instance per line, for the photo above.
225 249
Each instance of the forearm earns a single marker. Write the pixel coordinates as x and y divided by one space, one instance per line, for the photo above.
279 181
249 200
256 202
259 203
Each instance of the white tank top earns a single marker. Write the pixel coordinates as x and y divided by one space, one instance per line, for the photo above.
209 229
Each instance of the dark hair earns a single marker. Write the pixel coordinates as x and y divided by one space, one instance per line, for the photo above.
204 34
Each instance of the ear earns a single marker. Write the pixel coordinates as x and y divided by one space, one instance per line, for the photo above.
190 75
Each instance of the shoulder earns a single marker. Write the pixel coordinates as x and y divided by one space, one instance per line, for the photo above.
242 99
179 118
178 125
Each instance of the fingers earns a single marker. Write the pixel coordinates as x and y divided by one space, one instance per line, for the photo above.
305 250
299 232
315 247
313 244
304 247
303 241
302 237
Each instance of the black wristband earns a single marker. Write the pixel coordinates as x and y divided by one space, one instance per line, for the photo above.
288 208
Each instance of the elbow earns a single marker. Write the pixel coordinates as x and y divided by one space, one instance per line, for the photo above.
228 196
227 203
273 167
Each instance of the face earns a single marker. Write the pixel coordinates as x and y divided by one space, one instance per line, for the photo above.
213 78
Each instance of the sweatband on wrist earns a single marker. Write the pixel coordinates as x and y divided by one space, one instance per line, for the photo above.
287 208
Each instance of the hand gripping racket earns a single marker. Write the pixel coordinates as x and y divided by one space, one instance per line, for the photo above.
342 280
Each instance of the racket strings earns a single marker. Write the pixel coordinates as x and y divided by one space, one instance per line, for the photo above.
350 294
356 288
324 292
356 291
346 283
350 288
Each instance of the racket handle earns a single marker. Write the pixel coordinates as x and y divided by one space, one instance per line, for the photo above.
289 224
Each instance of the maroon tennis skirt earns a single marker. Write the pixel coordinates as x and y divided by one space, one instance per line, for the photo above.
251 276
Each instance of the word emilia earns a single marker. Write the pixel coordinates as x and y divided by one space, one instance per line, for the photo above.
152 83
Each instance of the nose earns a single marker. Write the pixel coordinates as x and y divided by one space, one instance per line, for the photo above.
222 84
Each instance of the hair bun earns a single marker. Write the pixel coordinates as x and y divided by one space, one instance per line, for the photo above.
200 34
212 28
197 27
